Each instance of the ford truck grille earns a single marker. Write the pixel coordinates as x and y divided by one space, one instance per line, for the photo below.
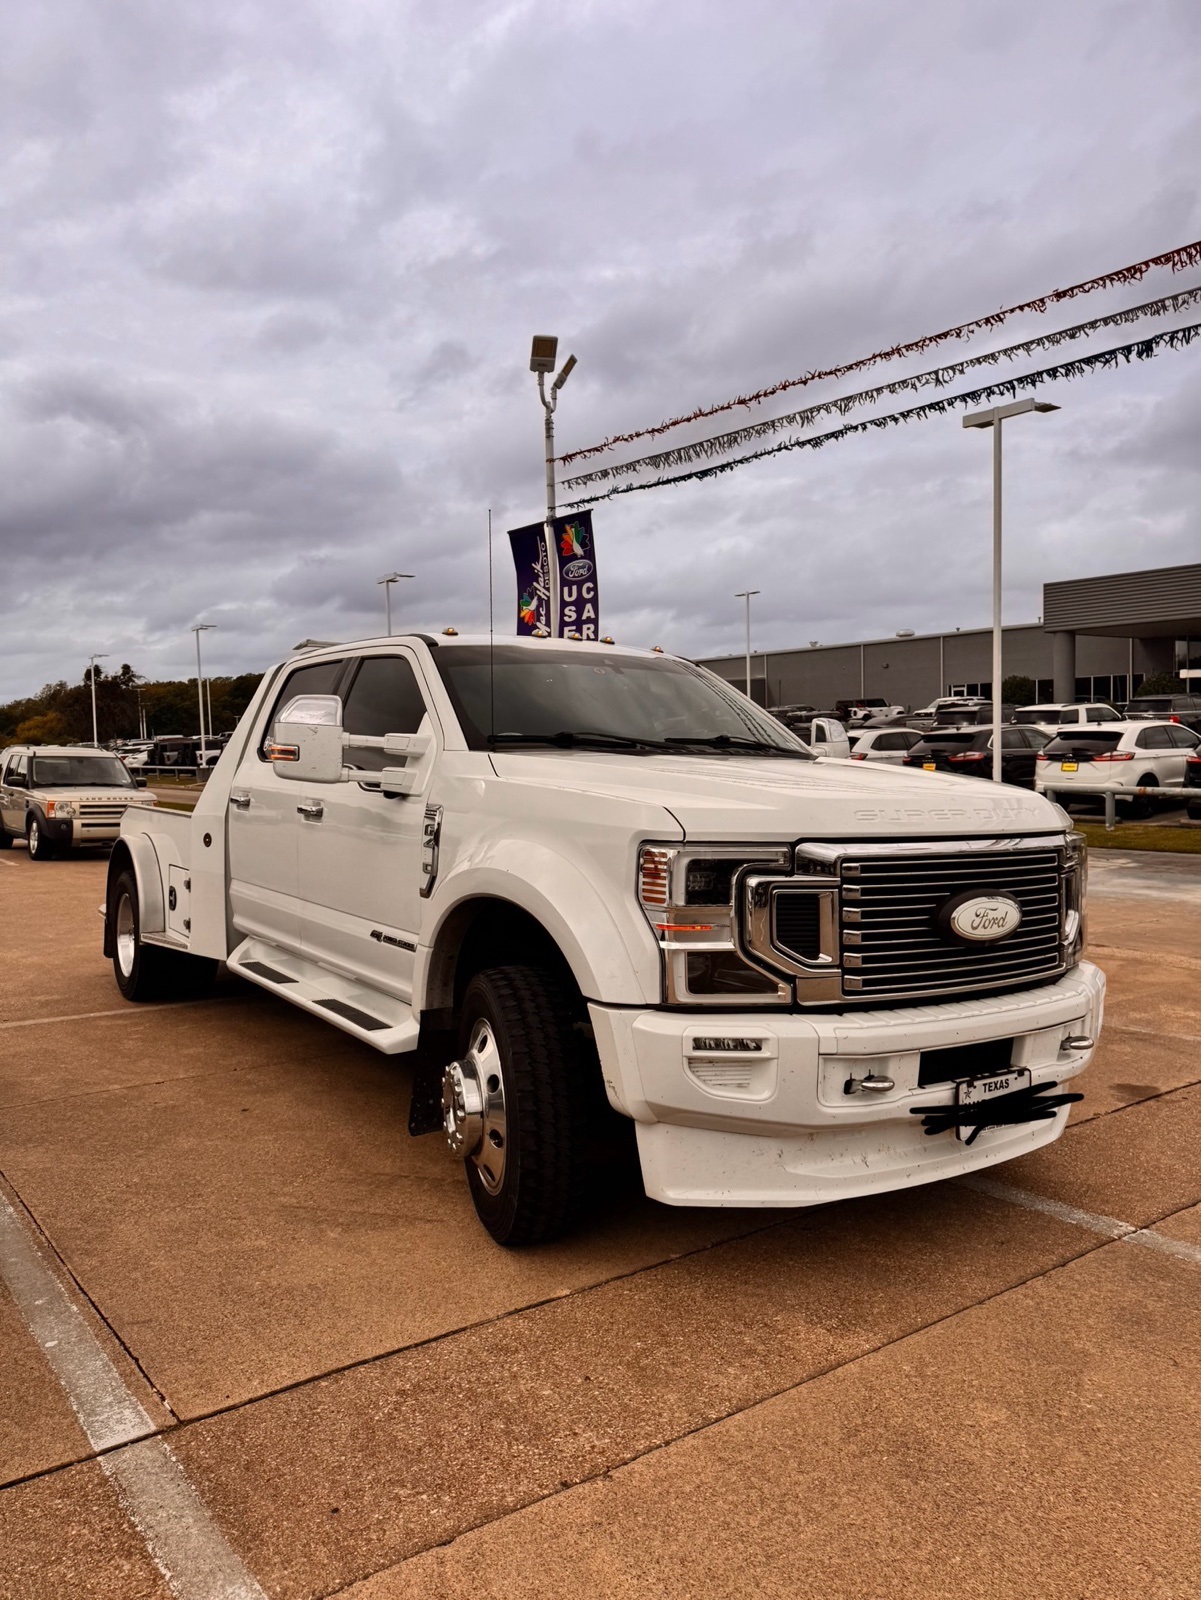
888 942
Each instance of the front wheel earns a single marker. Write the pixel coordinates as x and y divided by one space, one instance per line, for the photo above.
147 971
40 847
518 1103
6 838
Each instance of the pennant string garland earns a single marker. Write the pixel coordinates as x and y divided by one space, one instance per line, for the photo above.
1138 350
936 377
1179 260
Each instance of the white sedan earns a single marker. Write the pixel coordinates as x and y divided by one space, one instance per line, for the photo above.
885 744
1118 756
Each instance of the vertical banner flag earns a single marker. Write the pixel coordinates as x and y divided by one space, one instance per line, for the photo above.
532 560
579 599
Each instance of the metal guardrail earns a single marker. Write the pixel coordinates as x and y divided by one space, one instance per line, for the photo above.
1113 795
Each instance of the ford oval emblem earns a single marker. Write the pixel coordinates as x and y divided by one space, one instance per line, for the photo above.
977 918
577 569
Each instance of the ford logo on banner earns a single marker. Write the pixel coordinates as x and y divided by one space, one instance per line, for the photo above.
578 569
975 918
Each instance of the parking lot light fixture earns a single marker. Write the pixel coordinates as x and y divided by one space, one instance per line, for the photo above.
198 628
745 594
92 660
993 418
388 579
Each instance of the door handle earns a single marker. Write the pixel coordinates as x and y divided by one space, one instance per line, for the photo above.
239 798
311 808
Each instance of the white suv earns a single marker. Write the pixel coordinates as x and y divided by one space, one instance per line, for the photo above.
1119 755
1054 716
58 797
885 744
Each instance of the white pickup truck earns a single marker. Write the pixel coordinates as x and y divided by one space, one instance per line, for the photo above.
577 881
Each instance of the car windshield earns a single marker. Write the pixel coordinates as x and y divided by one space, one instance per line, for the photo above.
1157 704
1035 714
588 697
79 772
1087 739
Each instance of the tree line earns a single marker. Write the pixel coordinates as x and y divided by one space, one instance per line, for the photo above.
61 713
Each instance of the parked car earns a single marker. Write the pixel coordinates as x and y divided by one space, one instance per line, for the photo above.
1185 708
851 712
565 878
791 716
825 736
1119 756
1192 780
61 797
968 752
929 716
1059 714
884 744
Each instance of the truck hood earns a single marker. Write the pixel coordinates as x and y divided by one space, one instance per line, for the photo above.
724 797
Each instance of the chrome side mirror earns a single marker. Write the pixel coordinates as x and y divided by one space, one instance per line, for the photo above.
307 746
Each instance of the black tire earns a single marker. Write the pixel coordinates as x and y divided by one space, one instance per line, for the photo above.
552 1102
1143 806
40 847
1193 813
147 971
6 838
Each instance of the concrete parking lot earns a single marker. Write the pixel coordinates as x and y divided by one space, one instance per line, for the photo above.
349 1390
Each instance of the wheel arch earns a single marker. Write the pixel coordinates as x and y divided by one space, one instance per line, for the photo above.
138 854
552 904
481 931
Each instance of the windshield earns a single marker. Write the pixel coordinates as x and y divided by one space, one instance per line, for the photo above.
79 772
949 741
1026 719
509 695
1156 703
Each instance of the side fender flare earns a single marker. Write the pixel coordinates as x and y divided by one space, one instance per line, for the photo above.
613 959
137 852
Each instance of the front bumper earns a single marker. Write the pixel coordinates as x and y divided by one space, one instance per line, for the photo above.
775 1127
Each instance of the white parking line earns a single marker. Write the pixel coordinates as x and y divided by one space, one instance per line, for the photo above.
120 1011
1093 1221
183 1540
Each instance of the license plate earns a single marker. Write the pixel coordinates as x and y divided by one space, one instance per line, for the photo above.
1069 766
928 766
979 1091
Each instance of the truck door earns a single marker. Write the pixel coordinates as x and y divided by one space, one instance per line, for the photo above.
264 825
360 851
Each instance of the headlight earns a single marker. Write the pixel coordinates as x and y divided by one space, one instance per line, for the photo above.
60 808
687 895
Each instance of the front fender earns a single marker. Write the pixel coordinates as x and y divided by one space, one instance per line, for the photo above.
610 949
136 851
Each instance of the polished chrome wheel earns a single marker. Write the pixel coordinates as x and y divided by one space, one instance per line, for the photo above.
126 940
473 1108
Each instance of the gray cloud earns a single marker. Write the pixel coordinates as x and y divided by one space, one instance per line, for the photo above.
270 280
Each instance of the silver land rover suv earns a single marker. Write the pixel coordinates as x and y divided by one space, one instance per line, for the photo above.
59 797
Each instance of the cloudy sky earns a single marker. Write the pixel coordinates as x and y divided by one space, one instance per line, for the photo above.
271 273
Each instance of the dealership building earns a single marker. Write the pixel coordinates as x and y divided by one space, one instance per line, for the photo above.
1098 639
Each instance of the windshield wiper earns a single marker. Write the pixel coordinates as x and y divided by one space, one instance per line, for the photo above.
569 739
729 741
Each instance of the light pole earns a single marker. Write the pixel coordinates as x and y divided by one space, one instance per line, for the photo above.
543 353
993 418
388 579
198 628
92 660
745 594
